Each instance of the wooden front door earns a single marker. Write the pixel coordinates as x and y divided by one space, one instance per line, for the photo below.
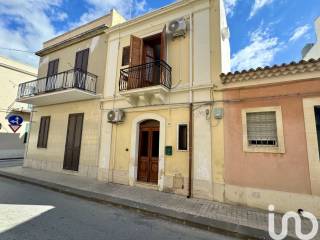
148 161
73 142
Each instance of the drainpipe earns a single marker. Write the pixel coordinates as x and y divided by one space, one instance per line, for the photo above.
191 105
190 148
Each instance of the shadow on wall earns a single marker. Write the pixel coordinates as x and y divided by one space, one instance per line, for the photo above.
12 145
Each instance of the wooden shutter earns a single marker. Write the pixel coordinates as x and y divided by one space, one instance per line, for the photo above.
163 50
85 58
73 142
82 58
125 56
136 46
53 67
43 132
78 62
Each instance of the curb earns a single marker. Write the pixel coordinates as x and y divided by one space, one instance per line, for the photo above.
185 218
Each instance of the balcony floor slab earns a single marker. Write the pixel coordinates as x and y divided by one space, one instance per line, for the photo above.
57 97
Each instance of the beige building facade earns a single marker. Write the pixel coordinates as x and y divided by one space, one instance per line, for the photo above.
12 73
155 74
143 103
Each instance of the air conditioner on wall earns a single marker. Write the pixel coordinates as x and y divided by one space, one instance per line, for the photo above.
178 28
115 116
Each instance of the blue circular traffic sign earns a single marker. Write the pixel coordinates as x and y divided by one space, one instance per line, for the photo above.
15 120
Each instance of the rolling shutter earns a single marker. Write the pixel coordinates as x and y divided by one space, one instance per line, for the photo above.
262 128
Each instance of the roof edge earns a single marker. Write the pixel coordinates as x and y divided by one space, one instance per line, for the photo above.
271 71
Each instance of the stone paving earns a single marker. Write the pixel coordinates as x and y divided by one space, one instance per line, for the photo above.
238 219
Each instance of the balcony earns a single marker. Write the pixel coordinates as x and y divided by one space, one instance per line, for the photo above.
146 82
69 86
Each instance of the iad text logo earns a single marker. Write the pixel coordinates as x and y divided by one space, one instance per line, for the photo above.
297 219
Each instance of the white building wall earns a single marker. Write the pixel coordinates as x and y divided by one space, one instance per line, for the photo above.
314 52
11 74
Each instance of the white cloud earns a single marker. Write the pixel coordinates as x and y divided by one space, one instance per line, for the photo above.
25 25
258 4
61 16
299 32
98 8
229 6
260 52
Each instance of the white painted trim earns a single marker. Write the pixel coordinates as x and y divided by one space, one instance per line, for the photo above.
312 142
133 164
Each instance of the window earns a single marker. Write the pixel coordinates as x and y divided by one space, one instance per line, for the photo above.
43 132
183 137
126 56
263 130
317 115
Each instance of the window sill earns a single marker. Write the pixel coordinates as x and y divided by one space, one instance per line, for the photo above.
276 150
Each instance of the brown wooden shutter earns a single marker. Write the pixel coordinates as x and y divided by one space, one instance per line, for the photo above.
78 62
46 132
73 142
125 56
53 67
136 46
82 58
43 132
163 50
85 58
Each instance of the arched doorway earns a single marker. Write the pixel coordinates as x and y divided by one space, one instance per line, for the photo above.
148 155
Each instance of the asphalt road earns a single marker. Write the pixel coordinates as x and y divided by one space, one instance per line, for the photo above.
28 212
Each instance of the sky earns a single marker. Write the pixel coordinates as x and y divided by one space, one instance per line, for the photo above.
263 32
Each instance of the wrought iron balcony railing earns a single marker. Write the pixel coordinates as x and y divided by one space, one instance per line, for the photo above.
145 75
65 80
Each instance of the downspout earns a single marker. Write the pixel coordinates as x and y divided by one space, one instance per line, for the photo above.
190 148
191 105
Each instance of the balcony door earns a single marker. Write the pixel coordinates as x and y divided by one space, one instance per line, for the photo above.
148 161
52 75
73 142
145 56
81 67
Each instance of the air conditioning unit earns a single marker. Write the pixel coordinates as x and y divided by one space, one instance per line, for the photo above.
115 116
178 28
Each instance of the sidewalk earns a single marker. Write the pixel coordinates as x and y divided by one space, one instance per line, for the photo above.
206 214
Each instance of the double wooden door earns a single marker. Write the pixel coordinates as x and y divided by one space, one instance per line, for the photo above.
73 142
148 161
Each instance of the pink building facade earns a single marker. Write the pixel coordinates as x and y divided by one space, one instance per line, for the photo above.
271 137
